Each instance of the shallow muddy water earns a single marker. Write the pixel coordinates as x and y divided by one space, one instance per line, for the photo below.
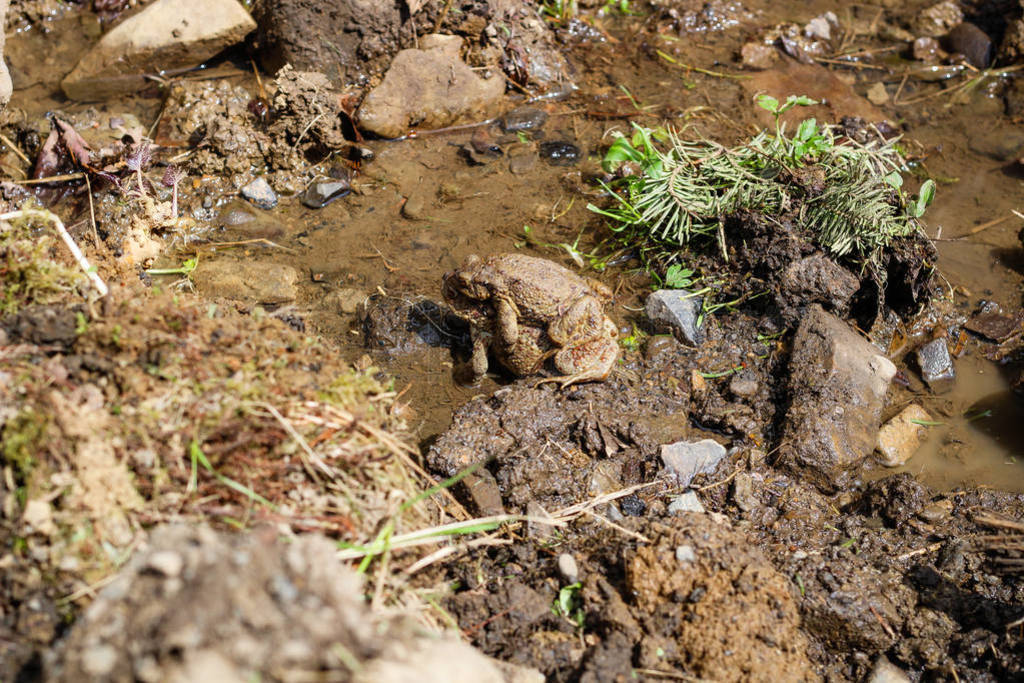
421 207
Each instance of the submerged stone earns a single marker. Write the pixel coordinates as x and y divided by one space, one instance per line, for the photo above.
936 365
900 437
560 153
323 191
260 193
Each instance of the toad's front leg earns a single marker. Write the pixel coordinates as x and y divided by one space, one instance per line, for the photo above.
508 321
481 342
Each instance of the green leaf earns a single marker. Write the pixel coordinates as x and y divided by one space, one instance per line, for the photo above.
768 102
806 129
927 192
894 179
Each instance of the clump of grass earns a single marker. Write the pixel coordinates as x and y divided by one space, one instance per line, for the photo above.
843 195
30 269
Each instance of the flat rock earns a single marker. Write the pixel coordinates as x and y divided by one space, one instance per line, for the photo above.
936 365
901 436
687 459
428 88
837 389
166 35
249 281
676 311
994 325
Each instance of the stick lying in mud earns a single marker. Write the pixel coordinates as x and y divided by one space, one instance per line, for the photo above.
83 262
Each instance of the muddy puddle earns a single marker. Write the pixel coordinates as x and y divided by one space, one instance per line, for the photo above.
364 271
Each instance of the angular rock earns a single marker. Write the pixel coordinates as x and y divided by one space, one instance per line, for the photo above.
900 437
972 43
687 459
252 282
428 88
936 365
837 388
687 502
166 35
678 312
260 194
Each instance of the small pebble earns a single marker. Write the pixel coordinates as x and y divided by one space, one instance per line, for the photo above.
260 194
568 568
323 191
685 554
560 153
99 660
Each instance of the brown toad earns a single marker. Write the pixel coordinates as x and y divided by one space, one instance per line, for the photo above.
528 309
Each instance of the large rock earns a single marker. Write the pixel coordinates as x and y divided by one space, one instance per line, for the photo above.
837 389
348 40
429 88
166 35
243 607
252 282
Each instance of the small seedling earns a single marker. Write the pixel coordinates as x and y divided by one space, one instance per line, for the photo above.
185 269
569 604
772 105
677 277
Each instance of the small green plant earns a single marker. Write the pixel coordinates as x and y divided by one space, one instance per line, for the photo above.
846 196
185 268
569 604
560 10
677 277
633 340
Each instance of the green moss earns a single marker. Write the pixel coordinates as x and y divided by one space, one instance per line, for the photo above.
21 440
29 271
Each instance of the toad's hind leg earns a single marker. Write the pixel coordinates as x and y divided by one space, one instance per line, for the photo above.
590 362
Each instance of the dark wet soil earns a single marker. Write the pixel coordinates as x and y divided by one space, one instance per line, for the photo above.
783 581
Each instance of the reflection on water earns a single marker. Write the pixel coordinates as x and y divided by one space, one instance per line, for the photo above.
981 438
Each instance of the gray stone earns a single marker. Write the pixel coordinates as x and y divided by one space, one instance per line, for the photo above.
1001 145
252 282
260 193
837 389
568 568
676 311
936 365
886 672
687 459
428 88
685 554
743 492
167 35
687 502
